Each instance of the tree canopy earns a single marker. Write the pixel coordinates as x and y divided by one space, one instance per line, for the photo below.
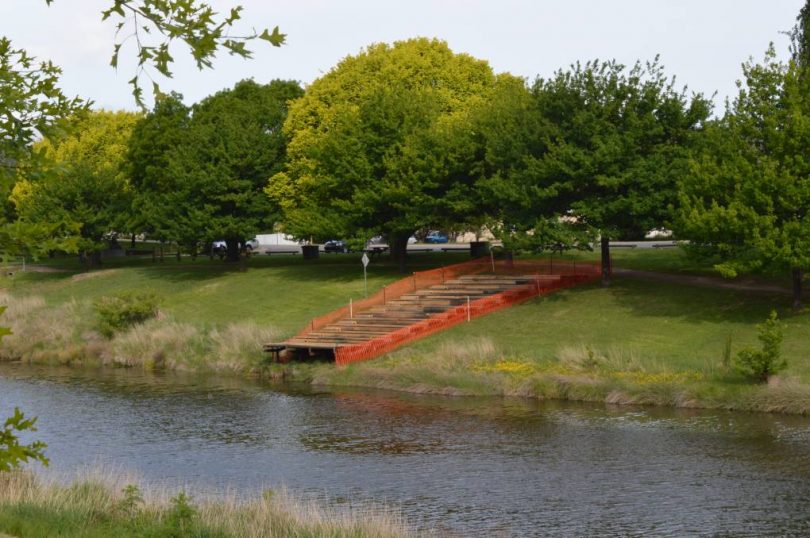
86 183
200 173
601 149
747 195
377 144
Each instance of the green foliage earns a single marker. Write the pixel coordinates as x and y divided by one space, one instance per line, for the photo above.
157 24
746 197
85 185
13 453
32 106
383 144
124 310
759 365
181 515
200 173
132 502
599 146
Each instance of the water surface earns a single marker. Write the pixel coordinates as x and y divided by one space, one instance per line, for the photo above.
465 466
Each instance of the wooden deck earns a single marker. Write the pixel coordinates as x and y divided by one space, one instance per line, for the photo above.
401 312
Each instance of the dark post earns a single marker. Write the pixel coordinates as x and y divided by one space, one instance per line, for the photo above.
607 270
797 288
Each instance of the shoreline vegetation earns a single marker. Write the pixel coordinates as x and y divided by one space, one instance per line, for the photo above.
638 342
99 503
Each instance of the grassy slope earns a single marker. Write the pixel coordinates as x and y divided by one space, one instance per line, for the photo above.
635 338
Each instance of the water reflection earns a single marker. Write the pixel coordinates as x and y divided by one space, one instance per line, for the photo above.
473 466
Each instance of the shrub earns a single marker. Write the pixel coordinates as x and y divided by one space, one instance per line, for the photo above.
121 311
759 365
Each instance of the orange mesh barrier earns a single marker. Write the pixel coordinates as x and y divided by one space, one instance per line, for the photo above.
417 281
570 275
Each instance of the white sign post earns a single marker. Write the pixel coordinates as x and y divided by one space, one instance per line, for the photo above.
364 259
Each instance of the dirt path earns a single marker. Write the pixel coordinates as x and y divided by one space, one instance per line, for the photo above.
704 281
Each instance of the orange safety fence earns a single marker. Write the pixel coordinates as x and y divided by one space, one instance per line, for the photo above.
417 281
569 276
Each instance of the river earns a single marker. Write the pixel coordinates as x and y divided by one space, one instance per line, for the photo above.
460 466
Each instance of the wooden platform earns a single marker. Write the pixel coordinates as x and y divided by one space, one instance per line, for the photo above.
400 312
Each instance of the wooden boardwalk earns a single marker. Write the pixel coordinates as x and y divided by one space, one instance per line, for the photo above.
404 311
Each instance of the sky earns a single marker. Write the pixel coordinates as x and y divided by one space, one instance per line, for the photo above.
701 42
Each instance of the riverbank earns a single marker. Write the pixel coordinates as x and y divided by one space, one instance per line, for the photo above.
101 505
639 342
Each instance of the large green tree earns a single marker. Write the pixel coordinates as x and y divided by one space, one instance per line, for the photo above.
380 144
599 147
202 177
747 195
86 182
153 139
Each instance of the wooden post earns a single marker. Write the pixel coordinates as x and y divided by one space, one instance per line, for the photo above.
384 301
351 309
468 308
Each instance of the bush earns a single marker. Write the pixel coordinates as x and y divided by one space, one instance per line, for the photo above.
124 310
759 365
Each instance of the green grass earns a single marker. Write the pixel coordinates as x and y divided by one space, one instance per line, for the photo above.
638 341
284 291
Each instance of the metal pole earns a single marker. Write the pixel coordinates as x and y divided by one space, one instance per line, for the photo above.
351 309
365 282
492 259
468 308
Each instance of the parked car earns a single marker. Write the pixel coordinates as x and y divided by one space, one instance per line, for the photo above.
436 237
220 247
334 245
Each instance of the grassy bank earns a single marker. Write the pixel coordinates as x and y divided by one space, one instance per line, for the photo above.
100 505
636 342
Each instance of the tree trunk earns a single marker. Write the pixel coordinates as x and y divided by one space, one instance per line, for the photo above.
797 288
132 241
233 250
607 270
398 245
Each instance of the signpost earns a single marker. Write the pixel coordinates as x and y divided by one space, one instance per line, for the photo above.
364 259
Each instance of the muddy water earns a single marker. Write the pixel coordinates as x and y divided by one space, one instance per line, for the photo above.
472 467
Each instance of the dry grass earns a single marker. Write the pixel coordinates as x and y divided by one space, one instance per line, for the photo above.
279 514
65 334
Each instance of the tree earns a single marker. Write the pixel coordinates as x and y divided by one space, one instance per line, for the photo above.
378 144
747 195
86 183
148 151
601 150
31 107
216 163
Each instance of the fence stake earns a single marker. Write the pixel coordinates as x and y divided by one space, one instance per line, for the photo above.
468 308
492 259
351 309
442 275
384 295
414 281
